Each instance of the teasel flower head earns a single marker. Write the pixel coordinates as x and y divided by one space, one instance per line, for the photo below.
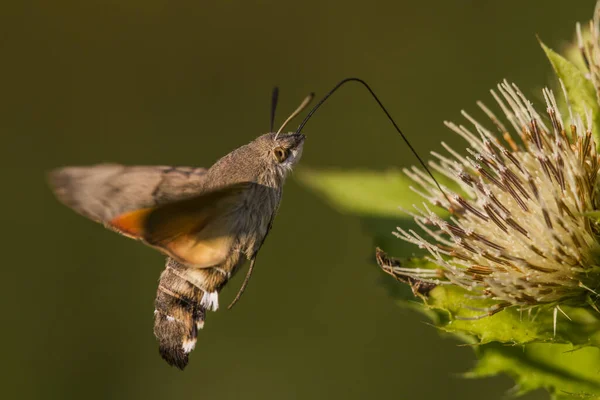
518 231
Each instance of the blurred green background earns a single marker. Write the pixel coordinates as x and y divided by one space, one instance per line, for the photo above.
162 82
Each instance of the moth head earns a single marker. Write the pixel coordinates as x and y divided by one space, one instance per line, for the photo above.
267 159
287 148
282 151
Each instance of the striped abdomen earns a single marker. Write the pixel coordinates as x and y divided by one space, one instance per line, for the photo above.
184 295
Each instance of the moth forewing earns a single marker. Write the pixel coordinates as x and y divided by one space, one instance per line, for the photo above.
101 192
197 232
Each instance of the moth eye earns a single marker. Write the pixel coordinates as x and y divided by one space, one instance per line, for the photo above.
281 154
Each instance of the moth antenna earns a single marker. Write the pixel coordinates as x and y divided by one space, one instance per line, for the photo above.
244 284
344 81
274 98
300 108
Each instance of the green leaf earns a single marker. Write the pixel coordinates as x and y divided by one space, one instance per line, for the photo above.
373 196
564 372
572 52
362 192
580 90
512 325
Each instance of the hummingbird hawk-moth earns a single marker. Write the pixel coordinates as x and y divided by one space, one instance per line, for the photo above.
207 222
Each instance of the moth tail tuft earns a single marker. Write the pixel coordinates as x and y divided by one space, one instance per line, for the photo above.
177 335
174 356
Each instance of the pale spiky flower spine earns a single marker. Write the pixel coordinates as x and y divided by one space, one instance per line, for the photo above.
518 233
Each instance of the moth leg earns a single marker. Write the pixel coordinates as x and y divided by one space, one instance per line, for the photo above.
245 283
251 268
